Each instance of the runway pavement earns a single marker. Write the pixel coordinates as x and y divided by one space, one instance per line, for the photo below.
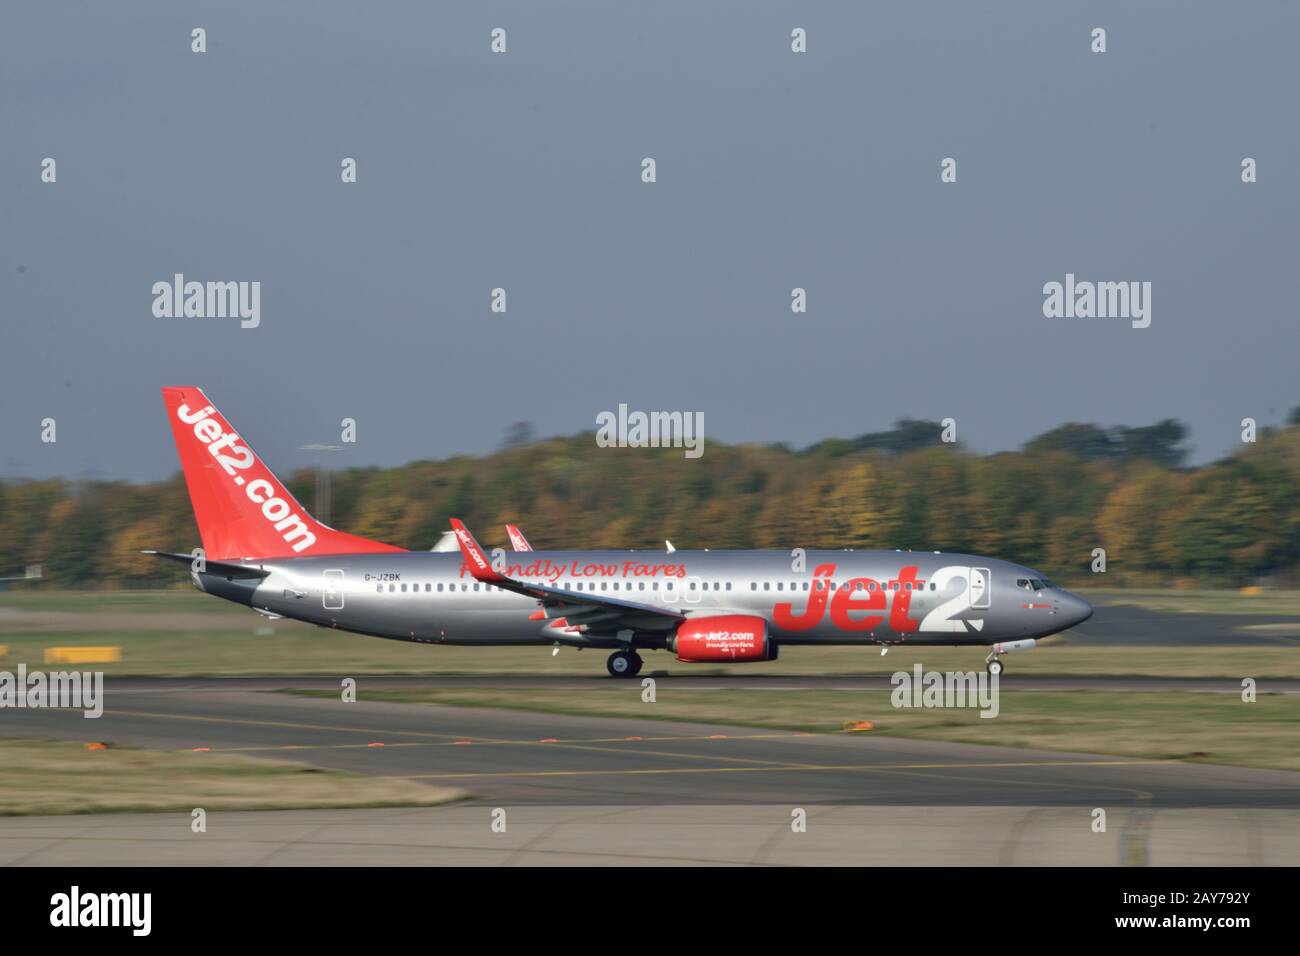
528 759
610 835
1125 625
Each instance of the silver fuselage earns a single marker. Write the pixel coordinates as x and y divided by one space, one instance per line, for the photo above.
821 597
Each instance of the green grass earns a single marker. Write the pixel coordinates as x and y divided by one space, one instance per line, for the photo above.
182 598
1172 725
298 650
57 777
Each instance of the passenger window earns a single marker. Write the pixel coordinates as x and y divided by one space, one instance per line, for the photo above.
379 588
403 588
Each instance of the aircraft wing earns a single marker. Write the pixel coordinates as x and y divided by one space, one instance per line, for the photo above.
578 608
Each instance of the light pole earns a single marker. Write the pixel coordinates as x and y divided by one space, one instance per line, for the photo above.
322 508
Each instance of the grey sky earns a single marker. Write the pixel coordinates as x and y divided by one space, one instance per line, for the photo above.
522 170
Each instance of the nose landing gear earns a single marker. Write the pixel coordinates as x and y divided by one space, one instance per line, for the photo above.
994 662
624 664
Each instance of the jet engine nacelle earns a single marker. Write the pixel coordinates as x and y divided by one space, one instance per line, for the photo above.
723 637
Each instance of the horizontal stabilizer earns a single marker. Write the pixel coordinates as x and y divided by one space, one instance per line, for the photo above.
225 568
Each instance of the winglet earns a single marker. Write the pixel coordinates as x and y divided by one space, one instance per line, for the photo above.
475 559
517 539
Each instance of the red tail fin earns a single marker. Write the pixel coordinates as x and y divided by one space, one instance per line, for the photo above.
242 509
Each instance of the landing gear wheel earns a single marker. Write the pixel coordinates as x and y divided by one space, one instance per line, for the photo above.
623 664
995 667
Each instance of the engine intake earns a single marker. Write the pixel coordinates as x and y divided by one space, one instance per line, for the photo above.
723 637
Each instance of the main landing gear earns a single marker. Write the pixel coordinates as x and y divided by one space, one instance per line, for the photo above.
624 664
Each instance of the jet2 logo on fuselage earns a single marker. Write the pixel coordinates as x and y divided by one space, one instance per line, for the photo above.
865 595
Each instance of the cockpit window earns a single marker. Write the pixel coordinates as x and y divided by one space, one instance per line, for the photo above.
1038 585
1022 583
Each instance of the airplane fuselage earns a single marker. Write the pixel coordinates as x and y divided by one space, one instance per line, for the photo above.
820 597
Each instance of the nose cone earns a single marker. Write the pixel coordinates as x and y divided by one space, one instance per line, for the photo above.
1074 609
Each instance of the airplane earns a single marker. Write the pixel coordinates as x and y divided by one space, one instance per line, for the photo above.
263 549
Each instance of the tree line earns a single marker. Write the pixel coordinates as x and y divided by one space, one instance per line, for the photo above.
1049 505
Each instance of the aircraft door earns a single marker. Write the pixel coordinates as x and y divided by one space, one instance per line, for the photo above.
331 592
980 587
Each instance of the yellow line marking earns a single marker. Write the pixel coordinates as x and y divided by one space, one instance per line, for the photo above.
778 769
378 732
562 744
449 740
